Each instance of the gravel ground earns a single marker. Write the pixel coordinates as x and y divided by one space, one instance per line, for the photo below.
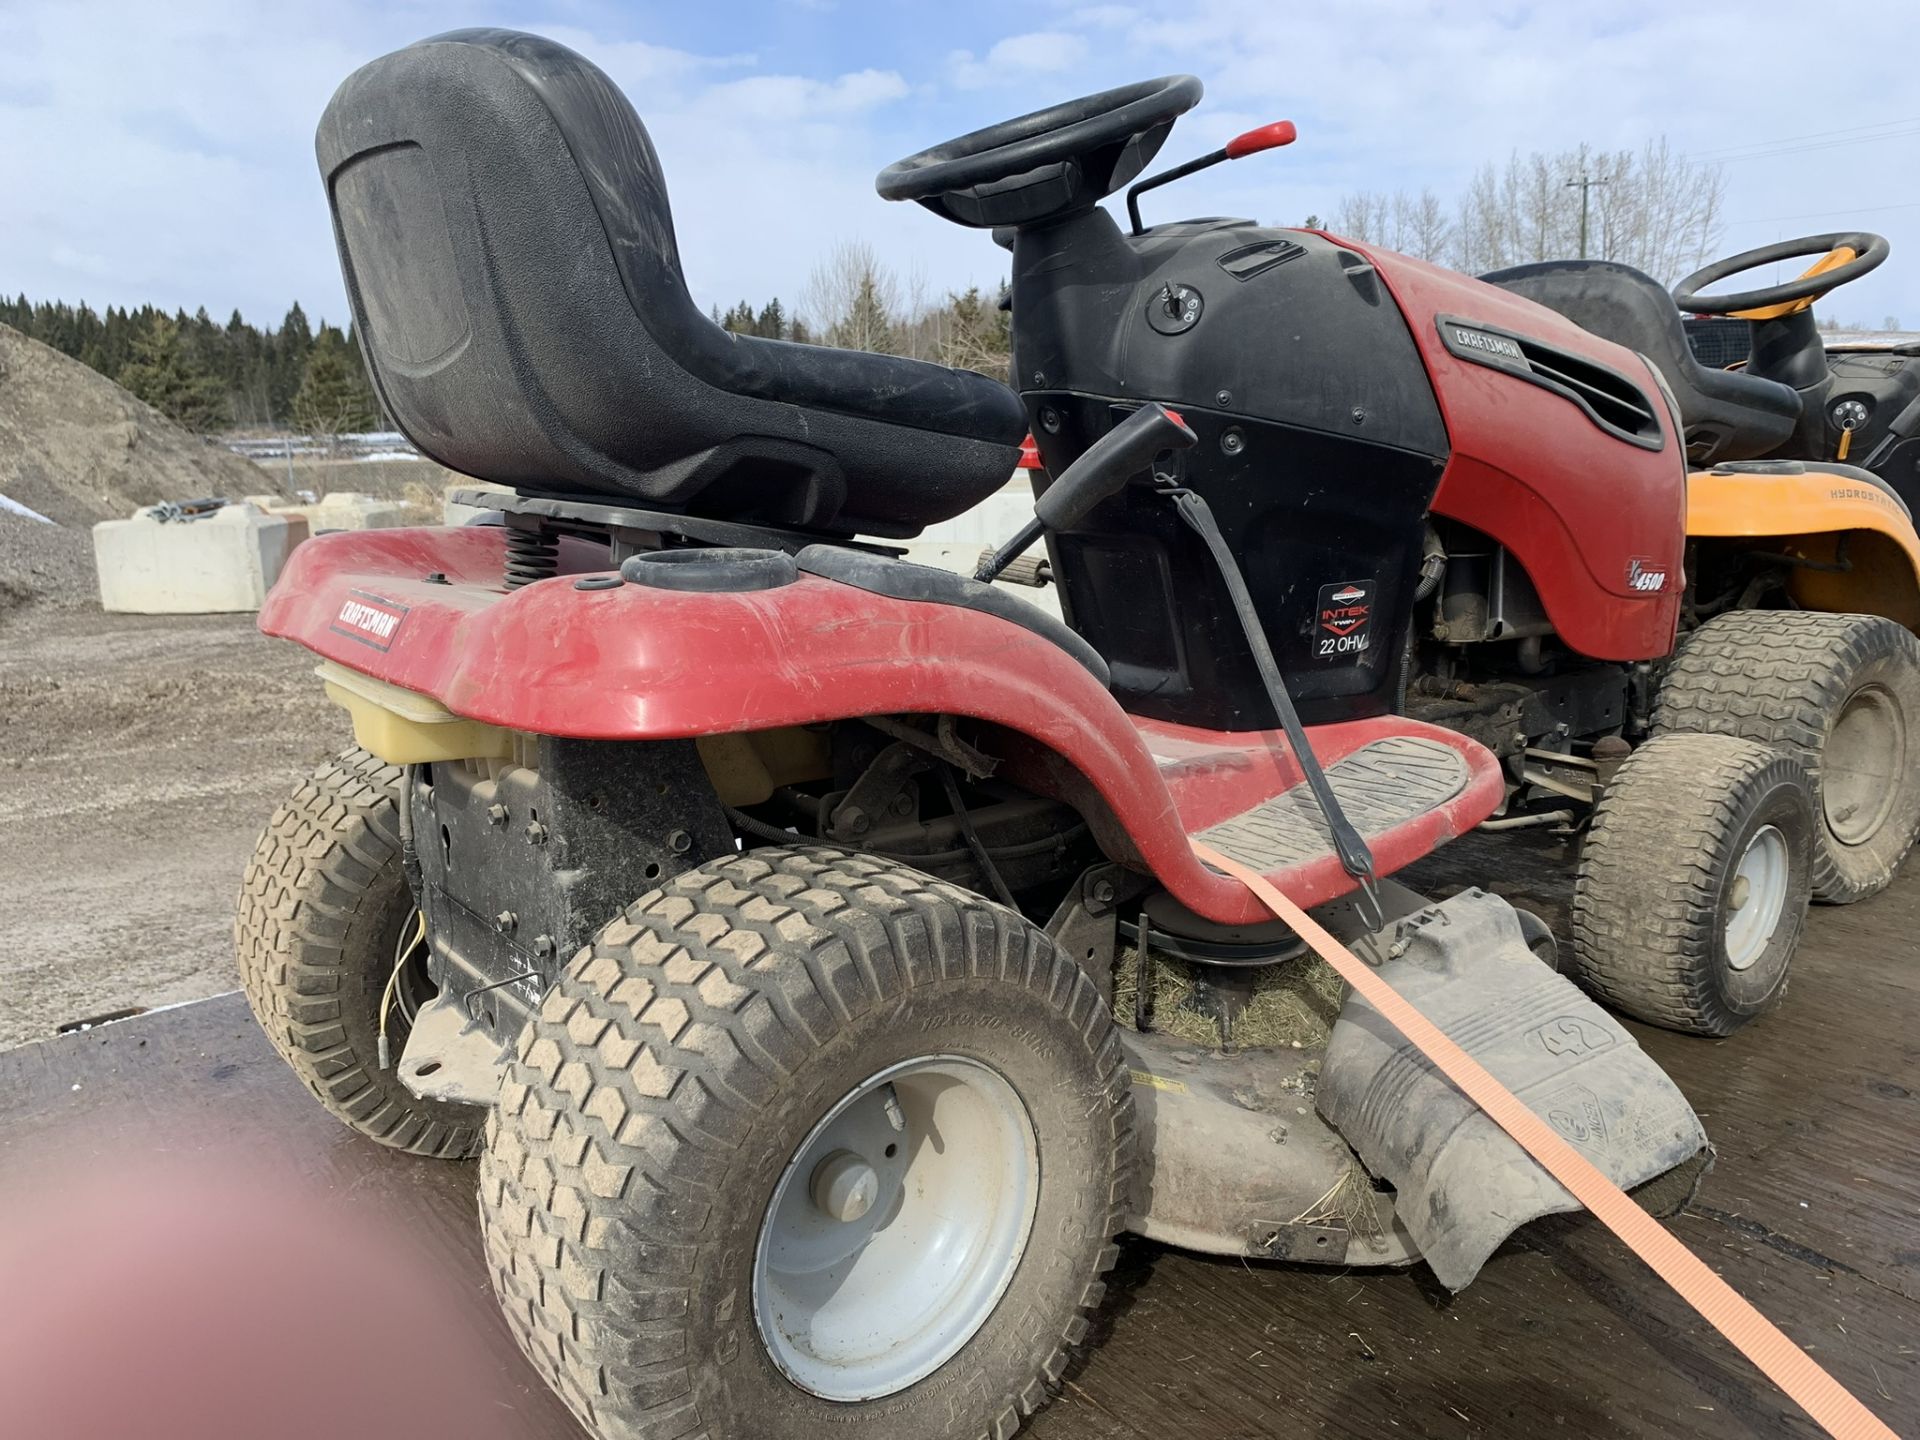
139 758
48 565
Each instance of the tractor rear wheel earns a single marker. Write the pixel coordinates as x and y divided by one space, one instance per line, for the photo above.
1694 882
1839 693
809 1144
325 921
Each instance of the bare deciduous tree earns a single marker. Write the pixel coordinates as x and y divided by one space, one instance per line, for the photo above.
1412 224
1651 209
853 300
856 302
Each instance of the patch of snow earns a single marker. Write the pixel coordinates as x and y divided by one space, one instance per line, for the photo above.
14 507
388 455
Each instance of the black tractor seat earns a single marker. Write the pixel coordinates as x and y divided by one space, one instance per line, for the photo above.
509 254
903 580
1726 414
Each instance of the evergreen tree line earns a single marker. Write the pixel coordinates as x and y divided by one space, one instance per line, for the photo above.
769 322
211 377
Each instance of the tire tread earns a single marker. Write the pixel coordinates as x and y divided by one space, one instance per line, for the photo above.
317 867
684 1013
1779 677
1647 889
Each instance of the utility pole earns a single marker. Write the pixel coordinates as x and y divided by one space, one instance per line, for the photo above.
1586 183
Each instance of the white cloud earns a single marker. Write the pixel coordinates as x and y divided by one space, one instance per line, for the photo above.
1044 50
1405 93
1105 17
794 99
164 152
1018 58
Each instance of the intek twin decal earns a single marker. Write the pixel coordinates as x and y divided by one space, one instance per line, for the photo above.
1343 620
369 619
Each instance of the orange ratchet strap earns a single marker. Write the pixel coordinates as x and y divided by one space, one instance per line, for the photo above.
1779 1359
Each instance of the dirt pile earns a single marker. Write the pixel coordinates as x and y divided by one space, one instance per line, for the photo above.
77 448
50 565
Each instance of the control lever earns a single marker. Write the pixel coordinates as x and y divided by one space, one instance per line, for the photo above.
1355 856
1266 137
1101 471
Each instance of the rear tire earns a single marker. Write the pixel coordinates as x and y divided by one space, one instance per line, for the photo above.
1839 693
324 909
681 1071
1694 883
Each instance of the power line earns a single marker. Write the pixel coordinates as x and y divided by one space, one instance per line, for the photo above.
1821 214
1912 128
1826 145
1811 135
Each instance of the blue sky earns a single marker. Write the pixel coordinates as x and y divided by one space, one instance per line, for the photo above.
163 151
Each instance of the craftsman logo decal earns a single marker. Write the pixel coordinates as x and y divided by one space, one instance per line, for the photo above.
1645 578
1342 620
1497 346
369 619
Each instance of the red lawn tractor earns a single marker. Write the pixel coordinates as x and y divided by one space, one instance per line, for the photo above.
810 943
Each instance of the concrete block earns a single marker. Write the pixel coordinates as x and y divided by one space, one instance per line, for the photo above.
956 544
452 512
994 519
225 562
340 510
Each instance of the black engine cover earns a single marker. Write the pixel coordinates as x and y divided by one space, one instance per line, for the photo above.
1321 446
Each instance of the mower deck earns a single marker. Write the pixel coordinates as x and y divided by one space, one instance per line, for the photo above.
1810 1210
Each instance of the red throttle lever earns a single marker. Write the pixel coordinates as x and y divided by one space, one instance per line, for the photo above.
1252 142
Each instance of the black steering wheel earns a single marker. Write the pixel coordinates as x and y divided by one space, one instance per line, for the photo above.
1845 255
1046 164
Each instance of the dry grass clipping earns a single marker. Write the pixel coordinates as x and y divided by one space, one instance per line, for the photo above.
1293 1003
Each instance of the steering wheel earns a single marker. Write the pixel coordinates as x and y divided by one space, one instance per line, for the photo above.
1845 255
1046 164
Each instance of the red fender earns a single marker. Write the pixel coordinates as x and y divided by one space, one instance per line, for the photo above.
636 663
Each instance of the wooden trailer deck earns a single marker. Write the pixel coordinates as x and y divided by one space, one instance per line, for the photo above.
1813 1212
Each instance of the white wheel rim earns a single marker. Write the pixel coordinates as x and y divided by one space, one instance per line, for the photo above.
1757 897
874 1269
1863 767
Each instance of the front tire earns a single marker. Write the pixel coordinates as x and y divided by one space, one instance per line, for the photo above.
714 1076
324 919
1839 693
1694 882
